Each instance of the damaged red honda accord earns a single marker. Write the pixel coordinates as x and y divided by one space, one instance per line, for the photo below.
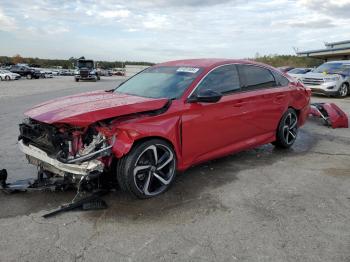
167 118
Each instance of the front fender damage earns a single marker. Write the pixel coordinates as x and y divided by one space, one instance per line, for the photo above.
122 144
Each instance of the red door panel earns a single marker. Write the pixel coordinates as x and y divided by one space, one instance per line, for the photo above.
207 127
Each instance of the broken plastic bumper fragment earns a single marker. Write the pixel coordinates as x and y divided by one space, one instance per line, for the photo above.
39 158
330 113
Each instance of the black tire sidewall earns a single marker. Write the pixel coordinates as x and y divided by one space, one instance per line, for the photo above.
280 141
125 174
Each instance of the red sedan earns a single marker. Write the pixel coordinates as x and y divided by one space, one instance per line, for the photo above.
166 118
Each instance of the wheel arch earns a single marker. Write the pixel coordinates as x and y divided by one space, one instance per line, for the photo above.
146 138
124 144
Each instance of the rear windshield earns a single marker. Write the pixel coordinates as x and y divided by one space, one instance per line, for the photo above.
160 82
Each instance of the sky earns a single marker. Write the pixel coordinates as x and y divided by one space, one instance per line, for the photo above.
161 30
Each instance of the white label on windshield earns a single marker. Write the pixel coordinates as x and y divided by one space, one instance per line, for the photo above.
192 70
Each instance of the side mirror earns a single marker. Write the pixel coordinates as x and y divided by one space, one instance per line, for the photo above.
206 96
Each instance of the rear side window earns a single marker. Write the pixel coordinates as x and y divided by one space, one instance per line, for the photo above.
255 77
280 79
223 80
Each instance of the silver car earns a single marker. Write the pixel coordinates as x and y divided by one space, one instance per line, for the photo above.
331 79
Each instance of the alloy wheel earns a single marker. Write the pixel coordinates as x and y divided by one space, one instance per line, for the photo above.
343 91
154 169
290 128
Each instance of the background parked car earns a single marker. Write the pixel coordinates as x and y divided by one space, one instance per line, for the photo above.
298 72
331 78
25 71
285 69
7 75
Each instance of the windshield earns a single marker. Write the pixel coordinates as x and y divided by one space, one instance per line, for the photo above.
160 82
87 64
330 68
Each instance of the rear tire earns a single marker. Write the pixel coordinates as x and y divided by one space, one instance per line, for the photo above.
287 129
148 169
7 78
29 76
76 80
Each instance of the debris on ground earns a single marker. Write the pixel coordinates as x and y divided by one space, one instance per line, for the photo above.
330 113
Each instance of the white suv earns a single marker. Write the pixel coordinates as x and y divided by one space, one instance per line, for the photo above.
331 78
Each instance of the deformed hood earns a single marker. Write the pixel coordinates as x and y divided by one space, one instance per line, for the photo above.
87 108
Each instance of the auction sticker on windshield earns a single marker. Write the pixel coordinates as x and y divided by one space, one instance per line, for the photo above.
192 70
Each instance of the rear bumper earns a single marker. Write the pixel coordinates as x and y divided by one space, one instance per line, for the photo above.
39 158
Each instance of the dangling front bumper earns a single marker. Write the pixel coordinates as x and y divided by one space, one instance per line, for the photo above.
40 158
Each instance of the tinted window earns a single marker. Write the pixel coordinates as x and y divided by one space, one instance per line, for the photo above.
280 79
223 80
254 77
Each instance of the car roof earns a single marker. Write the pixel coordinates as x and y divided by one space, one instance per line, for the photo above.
340 61
208 63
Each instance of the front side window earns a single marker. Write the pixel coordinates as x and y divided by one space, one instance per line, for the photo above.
255 77
160 82
223 80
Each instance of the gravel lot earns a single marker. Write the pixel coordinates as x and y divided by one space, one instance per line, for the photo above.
258 205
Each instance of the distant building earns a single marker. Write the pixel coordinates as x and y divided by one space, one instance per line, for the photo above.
333 51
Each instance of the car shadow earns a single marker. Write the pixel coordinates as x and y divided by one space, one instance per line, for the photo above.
190 193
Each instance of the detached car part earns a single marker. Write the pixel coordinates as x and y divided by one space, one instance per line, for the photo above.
331 114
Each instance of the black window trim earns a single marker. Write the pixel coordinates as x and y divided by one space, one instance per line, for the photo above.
240 81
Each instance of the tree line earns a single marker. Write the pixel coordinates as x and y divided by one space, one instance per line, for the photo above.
64 63
273 60
288 60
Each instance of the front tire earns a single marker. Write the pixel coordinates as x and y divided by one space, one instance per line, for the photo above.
287 129
148 169
343 90
29 76
7 78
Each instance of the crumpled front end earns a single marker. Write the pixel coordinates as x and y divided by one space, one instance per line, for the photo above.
65 150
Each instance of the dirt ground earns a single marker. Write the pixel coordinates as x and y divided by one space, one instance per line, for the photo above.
259 205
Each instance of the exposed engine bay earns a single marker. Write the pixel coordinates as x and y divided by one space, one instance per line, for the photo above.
66 144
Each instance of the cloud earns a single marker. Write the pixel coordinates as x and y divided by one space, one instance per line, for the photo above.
115 13
322 23
7 23
161 30
334 8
